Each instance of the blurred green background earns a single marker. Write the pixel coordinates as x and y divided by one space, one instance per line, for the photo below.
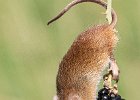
30 51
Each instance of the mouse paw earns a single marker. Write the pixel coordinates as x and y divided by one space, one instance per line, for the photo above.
113 68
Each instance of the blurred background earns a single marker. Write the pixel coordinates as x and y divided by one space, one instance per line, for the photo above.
30 51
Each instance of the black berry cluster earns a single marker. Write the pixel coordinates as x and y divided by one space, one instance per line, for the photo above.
104 94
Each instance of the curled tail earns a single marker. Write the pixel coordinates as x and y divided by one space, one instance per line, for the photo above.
75 2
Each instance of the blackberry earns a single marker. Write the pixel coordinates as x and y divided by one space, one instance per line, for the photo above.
103 91
105 97
103 94
118 97
114 97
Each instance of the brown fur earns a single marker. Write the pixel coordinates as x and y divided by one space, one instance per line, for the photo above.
80 69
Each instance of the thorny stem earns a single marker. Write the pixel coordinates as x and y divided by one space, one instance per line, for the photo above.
100 2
